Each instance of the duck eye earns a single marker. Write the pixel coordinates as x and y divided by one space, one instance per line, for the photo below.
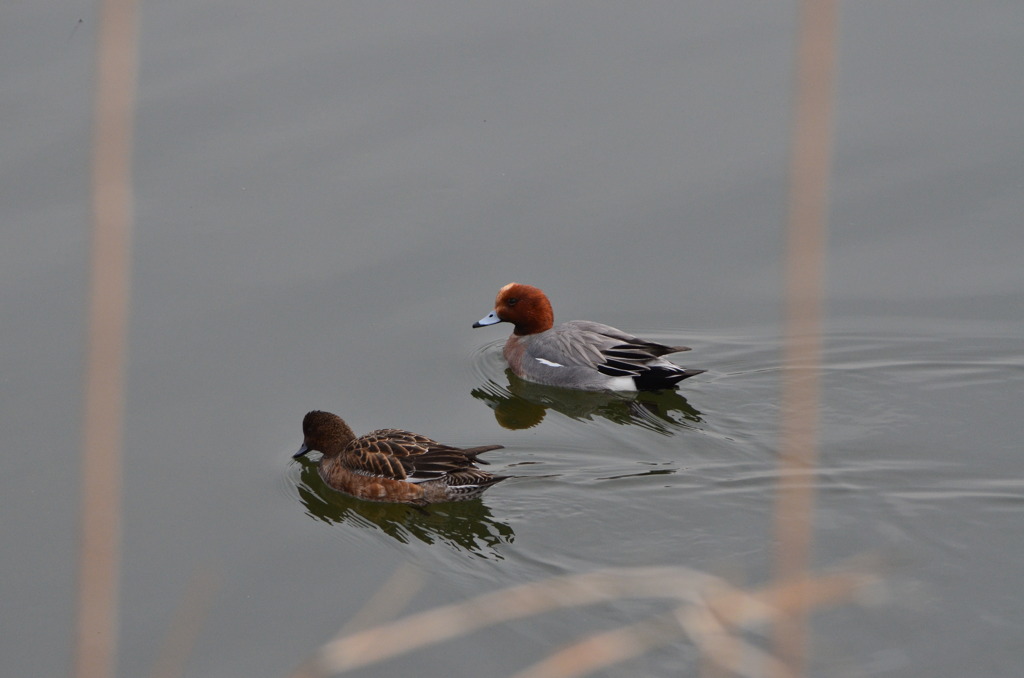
513 301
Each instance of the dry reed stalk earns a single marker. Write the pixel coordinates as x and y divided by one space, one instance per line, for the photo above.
711 625
726 608
390 599
810 164
450 621
723 651
188 620
601 650
103 410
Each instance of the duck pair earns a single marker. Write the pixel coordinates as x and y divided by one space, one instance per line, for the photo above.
393 465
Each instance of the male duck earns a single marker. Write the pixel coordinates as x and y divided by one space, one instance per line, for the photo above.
392 465
578 354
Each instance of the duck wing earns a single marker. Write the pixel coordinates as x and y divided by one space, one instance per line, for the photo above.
607 349
403 455
385 453
440 461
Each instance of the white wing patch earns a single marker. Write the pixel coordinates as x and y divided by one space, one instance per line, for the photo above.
547 362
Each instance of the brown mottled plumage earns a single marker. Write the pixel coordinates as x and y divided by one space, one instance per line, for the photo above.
393 465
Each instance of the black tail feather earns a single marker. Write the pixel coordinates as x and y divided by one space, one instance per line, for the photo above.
658 378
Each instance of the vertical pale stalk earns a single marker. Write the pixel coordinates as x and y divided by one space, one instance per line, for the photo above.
186 625
805 255
103 411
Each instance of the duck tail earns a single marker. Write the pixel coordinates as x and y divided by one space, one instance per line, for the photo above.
657 378
471 453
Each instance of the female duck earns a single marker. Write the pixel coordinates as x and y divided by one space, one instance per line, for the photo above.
578 354
393 465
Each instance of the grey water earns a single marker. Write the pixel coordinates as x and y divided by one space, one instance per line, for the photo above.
328 195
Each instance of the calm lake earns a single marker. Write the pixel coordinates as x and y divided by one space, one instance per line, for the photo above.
328 195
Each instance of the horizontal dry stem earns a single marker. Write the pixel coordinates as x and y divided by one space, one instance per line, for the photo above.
719 607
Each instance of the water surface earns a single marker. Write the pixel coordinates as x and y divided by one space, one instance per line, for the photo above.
328 195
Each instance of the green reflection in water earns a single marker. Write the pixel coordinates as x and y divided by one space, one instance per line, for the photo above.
523 404
464 525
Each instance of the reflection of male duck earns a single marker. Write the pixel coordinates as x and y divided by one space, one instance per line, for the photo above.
393 465
465 525
523 405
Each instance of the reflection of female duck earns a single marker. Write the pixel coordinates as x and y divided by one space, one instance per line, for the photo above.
392 465
465 525
523 405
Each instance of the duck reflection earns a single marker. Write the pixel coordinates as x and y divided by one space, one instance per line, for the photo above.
523 404
465 525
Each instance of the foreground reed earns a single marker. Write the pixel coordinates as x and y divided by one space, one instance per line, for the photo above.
710 613
109 294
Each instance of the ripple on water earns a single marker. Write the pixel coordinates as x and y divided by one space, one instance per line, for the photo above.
691 476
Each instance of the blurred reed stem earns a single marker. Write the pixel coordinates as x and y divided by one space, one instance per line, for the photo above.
109 292
810 164
710 612
186 624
